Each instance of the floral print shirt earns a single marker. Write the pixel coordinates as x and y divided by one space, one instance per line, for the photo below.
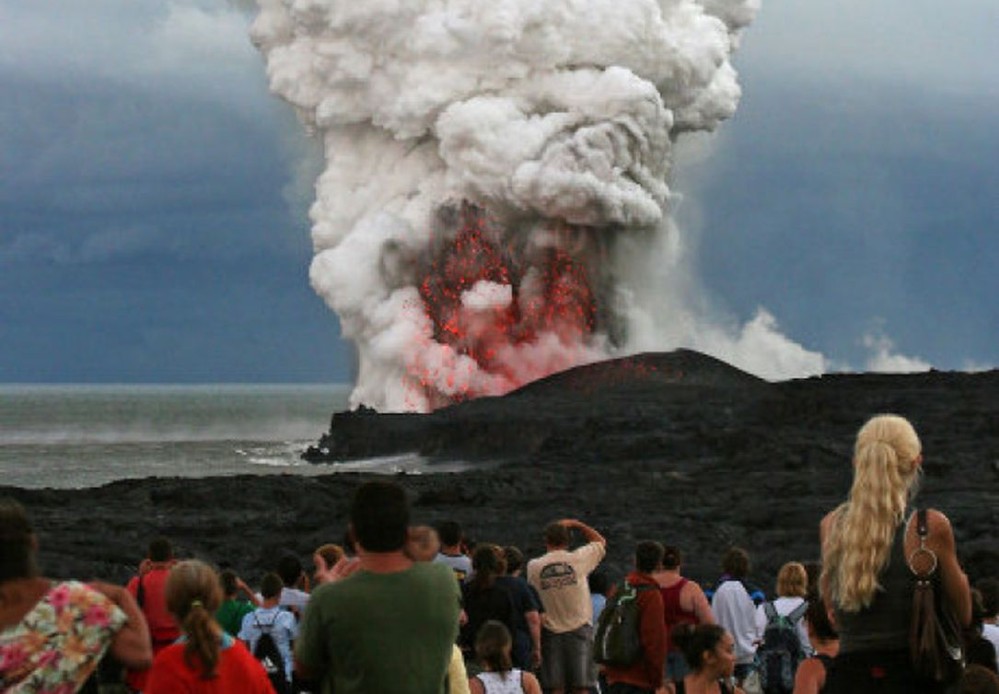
59 643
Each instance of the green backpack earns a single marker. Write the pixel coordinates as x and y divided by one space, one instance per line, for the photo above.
618 639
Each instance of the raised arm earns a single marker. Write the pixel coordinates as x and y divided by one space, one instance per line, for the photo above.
699 604
589 533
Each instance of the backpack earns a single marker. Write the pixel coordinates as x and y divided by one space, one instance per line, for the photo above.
618 641
267 652
781 651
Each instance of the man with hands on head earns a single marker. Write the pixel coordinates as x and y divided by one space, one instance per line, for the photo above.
559 576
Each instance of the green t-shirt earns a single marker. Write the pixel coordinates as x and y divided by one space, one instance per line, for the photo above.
230 615
382 633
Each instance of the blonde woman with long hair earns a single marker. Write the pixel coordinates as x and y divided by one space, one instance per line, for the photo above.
866 581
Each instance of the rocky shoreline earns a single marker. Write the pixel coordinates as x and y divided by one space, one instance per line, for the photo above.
677 447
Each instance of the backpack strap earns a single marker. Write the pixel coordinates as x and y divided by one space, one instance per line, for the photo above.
770 611
798 612
269 626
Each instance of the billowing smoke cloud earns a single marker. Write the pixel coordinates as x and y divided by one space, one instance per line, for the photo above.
496 177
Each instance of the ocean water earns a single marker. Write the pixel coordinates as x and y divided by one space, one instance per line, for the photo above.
77 436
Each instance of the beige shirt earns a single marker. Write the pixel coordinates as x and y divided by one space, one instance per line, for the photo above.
560 579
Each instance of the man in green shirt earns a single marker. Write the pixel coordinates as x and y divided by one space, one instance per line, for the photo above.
390 626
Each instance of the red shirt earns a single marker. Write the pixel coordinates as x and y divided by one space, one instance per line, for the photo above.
674 613
237 672
162 627
647 672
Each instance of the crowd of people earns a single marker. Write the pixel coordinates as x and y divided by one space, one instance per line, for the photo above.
402 608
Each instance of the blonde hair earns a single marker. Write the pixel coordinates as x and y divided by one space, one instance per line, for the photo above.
792 580
193 595
858 543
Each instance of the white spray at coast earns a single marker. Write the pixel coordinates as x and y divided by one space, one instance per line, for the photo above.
495 204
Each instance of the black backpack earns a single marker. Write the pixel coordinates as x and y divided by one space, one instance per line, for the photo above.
618 639
267 652
779 654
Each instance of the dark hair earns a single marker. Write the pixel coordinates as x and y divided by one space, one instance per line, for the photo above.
978 680
978 613
17 545
818 618
648 556
449 532
193 594
492 646
160 549
989 588
271 585
379 515
289 569
672 557
514 558
981 651
599 582
556 535
228 580
488 563
694 641
736 562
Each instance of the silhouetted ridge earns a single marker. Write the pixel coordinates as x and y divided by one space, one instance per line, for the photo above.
681 367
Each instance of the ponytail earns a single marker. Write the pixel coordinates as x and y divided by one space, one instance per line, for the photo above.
193 595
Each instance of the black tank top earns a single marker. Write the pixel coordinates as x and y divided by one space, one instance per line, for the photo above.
884 625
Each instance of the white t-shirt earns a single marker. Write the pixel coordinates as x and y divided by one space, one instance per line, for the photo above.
735 611
461 564
281 625
560 579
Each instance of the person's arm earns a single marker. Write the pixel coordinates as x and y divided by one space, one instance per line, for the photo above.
475 686
251 596
699 604
652 633
955 581
131 645
530 684
589 533
533 618
344 567
809 677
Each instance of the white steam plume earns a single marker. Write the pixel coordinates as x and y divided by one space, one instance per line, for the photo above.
524 144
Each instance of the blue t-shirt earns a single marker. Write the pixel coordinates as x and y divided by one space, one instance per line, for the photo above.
280 623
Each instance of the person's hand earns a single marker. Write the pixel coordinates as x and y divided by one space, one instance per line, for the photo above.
145 566
343 568
536 658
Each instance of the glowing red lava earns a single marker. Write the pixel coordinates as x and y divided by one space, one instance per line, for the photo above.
490 305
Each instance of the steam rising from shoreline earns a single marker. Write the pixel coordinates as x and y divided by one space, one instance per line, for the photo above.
495 204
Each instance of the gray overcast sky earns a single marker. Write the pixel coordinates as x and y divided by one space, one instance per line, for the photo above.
153 195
